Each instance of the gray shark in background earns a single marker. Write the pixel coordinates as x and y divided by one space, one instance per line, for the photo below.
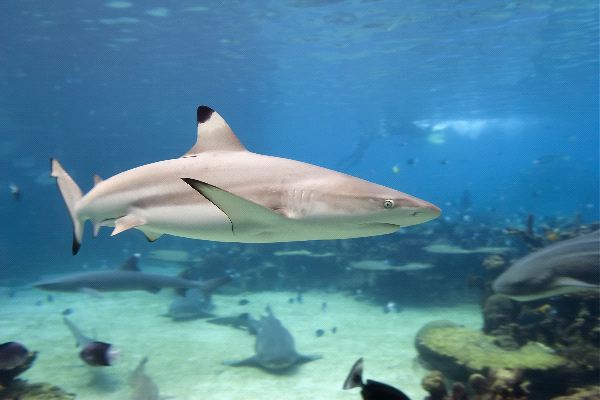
192 305
220 191
565 267
274 346
142 386
127 277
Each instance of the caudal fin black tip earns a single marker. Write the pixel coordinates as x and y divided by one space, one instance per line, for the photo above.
76 245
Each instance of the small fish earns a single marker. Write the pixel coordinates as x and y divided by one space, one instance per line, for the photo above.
319 332
412 161
67 311
323 306
12 355
93 353
291 300
334 330
371 390
300 298
243 302
15 191
390 307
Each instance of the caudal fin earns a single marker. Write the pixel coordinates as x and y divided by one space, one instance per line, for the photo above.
71 194
354 378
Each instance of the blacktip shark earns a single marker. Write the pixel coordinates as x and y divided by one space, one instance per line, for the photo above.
569 266
220 191
125 278
274 346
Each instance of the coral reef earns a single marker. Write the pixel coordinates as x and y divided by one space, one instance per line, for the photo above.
460 352
21 390
498 384
588 393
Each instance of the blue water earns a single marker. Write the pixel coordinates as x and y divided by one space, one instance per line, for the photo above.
510 89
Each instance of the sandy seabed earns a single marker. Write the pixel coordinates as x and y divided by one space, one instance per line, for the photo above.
186 358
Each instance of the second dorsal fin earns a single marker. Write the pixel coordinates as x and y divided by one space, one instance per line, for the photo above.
213 134
130 265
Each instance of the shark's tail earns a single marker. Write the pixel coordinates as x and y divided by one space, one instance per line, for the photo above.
209 286
71 194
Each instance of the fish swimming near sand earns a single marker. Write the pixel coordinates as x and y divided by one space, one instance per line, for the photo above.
274 346
127 277
93 352
568 266
371 390
220 191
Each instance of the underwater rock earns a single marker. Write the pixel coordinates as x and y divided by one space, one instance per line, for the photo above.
588 393
21 390
433 383
460 352
498 311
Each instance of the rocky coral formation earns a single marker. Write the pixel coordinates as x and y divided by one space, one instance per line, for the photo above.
460 352
588 393
21 390
498 384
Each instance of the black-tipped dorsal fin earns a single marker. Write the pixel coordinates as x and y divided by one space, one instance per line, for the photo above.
130 265
213 134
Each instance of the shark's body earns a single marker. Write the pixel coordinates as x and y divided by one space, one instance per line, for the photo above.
274 346
220 191
569 266
127 278
192 305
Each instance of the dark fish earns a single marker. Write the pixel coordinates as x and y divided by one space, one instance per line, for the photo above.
67 311
291 300
371 390
334 330
319 332
564 267
243 302
12 355
94 353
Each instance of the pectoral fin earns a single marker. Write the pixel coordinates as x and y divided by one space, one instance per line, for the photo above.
240 211
127 222
252 361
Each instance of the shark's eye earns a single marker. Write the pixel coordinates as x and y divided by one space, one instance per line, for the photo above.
388 204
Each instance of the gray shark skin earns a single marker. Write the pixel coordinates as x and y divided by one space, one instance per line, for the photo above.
220 191
274 346
192 305
569 266
142 386
127 278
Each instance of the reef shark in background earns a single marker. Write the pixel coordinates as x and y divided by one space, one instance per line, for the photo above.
127 277
569 266
274 346
220 191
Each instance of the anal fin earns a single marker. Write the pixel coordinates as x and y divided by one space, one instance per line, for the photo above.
127 222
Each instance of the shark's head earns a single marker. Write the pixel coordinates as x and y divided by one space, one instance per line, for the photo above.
370 207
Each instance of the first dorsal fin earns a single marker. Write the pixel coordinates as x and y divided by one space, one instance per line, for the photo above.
213 134
130 265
